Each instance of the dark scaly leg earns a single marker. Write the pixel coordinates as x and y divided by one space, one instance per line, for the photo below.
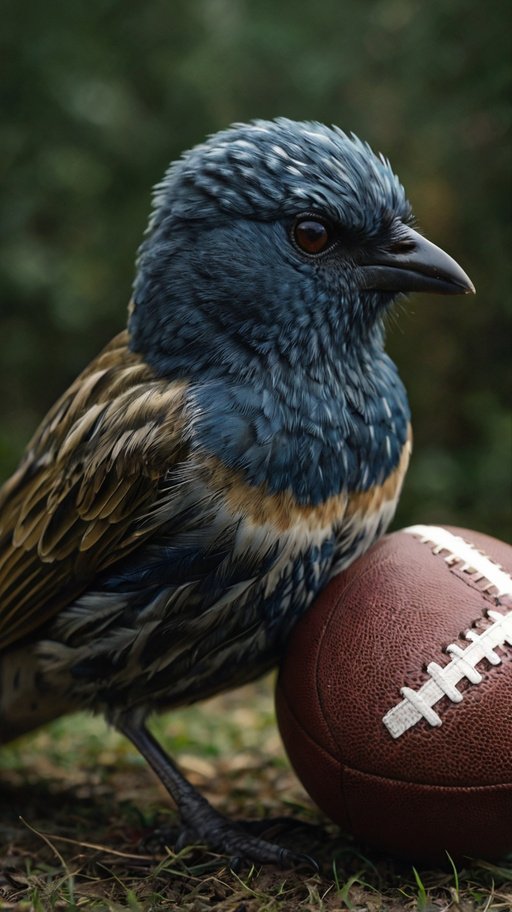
201 823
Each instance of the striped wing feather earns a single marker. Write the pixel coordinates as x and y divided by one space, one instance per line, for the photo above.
90 475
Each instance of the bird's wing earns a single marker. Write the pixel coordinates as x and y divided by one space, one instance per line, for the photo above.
93 471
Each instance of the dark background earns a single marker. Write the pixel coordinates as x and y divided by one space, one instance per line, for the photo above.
96 99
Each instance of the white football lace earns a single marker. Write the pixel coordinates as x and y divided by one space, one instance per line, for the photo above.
418 704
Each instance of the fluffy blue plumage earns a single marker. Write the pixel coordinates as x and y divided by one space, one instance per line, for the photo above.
330 442
218 247
292 346
269 169
189 495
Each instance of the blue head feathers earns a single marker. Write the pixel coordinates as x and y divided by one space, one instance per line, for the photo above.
272 254
219 255
272 169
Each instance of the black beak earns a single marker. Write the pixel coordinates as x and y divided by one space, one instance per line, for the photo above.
411 263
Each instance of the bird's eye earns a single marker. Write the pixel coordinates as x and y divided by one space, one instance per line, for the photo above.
312 235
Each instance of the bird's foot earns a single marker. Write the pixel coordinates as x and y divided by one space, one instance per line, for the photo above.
201 823
239 841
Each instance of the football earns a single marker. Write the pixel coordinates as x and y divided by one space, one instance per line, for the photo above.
394 700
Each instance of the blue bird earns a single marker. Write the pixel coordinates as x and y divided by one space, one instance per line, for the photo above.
243 440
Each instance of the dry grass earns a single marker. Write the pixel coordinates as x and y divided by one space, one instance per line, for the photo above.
77 804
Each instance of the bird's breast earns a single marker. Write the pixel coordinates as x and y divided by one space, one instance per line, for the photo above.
284 512
312 444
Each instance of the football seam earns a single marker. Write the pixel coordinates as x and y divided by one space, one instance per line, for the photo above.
308 736
341 596
346 769
475 562
418 704
430 785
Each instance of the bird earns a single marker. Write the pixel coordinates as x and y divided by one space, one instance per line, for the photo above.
243 439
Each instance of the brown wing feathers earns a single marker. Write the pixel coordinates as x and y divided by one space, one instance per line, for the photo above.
94 466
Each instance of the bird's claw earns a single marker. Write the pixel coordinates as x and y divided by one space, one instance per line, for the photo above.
303 860
287 859
225 838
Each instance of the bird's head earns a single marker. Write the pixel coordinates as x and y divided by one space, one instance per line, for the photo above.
277 239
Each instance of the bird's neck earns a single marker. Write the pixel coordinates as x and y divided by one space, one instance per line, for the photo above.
317 427
307 405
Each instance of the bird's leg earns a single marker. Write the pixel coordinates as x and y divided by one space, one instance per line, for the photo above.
201 823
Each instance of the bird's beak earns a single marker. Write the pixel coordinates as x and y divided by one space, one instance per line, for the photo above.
411 263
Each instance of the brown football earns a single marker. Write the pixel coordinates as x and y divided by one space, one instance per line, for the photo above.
394 700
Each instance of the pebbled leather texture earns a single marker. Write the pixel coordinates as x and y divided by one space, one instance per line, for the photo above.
375 629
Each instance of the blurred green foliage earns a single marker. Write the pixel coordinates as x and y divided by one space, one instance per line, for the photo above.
98 96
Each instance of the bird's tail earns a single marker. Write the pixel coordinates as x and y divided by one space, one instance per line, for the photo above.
25 702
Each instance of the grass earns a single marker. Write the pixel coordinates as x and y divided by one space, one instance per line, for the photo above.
78 805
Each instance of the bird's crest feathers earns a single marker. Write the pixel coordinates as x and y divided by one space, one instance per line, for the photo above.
272 168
